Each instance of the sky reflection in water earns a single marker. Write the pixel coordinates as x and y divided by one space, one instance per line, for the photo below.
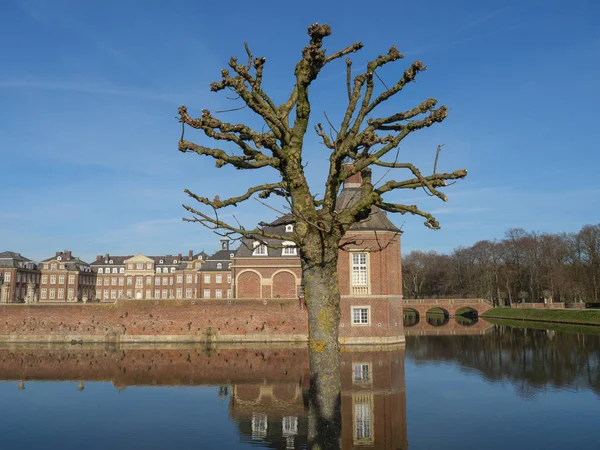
507 388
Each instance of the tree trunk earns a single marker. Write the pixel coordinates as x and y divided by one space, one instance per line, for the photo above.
323 303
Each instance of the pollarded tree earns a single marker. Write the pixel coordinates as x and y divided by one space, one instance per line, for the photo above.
362 138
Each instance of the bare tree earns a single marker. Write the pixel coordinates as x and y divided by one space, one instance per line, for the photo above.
362 138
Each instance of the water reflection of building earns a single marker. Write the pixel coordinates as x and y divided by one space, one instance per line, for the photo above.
267 388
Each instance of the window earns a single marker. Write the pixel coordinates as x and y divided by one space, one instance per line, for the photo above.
148 281
172 269
360 315
362 372
99 282
359 274
206 293
161 261
158 270
129 281
157 281
110 261
231 255
128 293
139 266
52 294
113 281
188 293
218 293
52 278
71 279
61 293
121 281
207 278
180 278
289 425
149 266
106 281
228 293
189 278
179 292
259 249
174 261
289 249
44 294
59 258
218 278
106 294
157 293
219 266
130 266
198 266
115 270
165 292
228 278
259 425
289 228
53 266
100 270
70 294
44 279
120 293
61 279
113 294
165 281
122 270
139 281
362 419
148 293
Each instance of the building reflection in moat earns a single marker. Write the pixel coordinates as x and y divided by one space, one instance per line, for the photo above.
267 388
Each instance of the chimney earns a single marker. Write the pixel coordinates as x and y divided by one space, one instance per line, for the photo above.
191 255
58 253
224 243
353 181
68 255
106 258
179 257
98 257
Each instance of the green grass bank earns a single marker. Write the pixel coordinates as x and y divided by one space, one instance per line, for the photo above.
579 317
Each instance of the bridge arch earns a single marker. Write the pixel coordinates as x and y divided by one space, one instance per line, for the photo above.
437 316
411 317
466 316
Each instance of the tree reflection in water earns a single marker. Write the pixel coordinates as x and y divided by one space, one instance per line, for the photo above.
531 359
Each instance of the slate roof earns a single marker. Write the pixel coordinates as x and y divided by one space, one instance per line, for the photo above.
10 259
377 219
73 264
116 261
222 256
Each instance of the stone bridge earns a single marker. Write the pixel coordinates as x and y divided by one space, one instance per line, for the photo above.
450 328
450 306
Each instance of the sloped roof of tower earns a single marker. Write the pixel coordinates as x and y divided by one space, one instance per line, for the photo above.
377 219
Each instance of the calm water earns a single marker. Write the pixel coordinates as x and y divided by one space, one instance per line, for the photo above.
494 388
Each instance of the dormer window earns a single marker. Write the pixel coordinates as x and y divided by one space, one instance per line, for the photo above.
259 249
114 270
174 261
229 266
219 266
110 261
161 261
121 270
172 269
158 270
289 228
200 257
289 249
231 255
59 258
100 270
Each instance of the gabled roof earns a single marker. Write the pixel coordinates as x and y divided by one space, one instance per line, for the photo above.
223 257
10 259
74 263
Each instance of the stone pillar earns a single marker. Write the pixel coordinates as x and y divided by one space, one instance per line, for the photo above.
4 292
30 295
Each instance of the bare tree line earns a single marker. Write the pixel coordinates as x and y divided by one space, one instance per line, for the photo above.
522 267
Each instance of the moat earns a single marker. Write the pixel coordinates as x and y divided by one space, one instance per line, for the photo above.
480 386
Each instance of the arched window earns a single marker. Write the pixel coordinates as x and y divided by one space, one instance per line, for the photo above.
122 270
174 261
289 249
158 270
110 261
219 266
289 228
259 249
114 270
172 269
100 270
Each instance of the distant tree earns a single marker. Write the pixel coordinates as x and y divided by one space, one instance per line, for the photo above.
361 138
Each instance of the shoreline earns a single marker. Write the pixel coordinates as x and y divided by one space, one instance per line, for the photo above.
558 316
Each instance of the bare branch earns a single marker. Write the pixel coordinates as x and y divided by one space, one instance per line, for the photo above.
217 203
222 158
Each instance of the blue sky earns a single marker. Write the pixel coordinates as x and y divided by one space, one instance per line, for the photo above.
89 93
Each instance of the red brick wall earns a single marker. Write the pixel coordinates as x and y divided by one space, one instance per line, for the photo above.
248 285
276 319
284 285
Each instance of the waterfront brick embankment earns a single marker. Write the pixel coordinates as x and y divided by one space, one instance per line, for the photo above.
567 316
190 321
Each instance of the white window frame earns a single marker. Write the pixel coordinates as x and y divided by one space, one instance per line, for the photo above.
179 293
361 372
188 293
206 293
189 279
259 249
218 293
289 249
356 312
207 278
218 278
360 273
